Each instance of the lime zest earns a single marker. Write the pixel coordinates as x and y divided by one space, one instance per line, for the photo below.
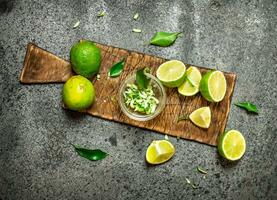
136 30
76 24
190 183
136 16
202 170
166 137
101 14
183 117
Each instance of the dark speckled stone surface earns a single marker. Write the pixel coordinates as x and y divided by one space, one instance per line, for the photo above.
36 159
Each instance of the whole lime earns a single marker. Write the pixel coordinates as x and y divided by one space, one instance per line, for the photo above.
78 93
85 58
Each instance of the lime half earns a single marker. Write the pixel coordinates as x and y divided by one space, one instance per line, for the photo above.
191 85
231 145
201 117
171 73
213 86
159 151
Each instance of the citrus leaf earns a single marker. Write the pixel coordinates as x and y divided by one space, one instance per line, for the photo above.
164 39
201 170
93 155
141 79
248 106
117 68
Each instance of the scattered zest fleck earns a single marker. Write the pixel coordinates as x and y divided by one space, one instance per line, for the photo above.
98 77
101 14
178 138
166 137
136 16
76 24
113 99
190 183
202 170
183 117
135 30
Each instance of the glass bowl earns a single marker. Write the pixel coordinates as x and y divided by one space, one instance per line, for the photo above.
158 90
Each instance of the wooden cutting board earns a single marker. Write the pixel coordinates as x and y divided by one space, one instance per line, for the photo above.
41 66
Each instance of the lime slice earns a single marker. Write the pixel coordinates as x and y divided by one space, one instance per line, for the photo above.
159 151
201 117
231 145
213 86
171 73
191 85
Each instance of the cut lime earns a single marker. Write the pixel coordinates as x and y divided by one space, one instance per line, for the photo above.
231 145
191 85
159 151
171 73
213 86
201 117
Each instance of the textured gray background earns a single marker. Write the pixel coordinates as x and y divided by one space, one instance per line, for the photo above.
36 160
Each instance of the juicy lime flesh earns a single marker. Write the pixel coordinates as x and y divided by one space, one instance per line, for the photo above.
233 145
217 86
187 89
85 58
78 93
171 70
159 151
191 87
201 117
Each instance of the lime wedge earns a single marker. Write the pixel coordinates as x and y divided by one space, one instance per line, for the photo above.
231 145
213 86
171 73
159 151
191 85
201 117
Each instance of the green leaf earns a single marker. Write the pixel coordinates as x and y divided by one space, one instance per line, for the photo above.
101 14
93 155
248 106
201 170
141 79
164 39
117 68
136 16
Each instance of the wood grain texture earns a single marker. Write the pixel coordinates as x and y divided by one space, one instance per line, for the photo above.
41 66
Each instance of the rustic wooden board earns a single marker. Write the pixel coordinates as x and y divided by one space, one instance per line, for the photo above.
40 66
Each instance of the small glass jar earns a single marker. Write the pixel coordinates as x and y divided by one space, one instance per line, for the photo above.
158 90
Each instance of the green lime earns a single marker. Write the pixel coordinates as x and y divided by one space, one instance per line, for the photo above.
231 145
191 85
201 117
78 93
171 73
213 86
85 58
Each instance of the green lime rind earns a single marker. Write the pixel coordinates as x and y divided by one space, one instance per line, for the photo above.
203 88
78 93
175 83
220 147
85 58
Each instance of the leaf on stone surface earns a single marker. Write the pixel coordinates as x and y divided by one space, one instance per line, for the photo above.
117 68
164 39
248 106
93 155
